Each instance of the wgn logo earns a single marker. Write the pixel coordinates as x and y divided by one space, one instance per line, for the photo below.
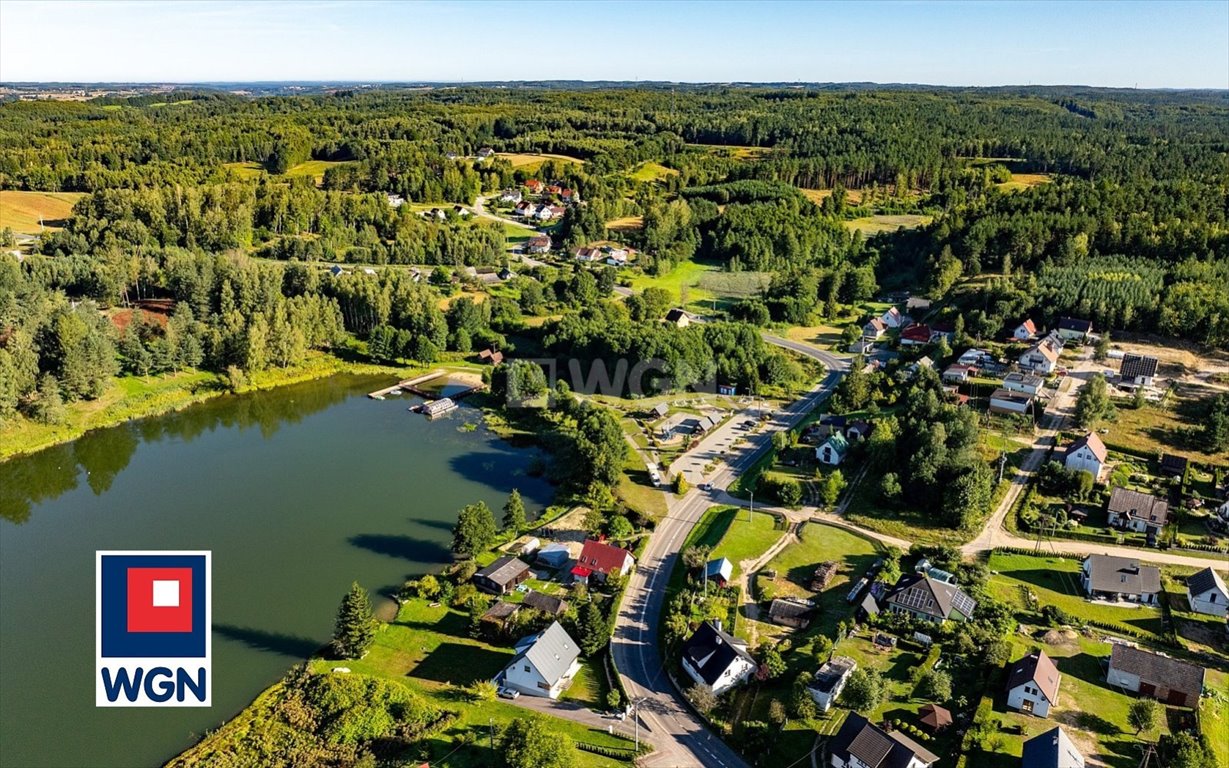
152 629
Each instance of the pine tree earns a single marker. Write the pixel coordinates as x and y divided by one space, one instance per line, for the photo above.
514 512
356 626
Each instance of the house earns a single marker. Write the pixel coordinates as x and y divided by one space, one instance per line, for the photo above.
1138 369
1023 382
678 317
1136 511
1173 466
1032 684
499 613
957 374
1042 357
859 431
395 201
790 612
505 274
510 196
1151 674
1088 454
916 366
617 257
535 186
862 347
538 244
548 604
861 744
502 576
491 356
553 189
599 559
1207 593
588 253
1005 401
553 556
544 664
974 357
934 717
917 304
336 271
549 212
1052 749
916 335
729 390
486 153
833 450
830 680
1120 578
719 571
1072 329
929 599
460 211
526 209
660 410
893 318
1024 331
569 195
873 329
716 660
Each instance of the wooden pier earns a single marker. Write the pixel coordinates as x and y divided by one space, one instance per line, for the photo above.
412 386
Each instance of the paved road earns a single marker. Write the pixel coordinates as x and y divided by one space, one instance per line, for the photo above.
681 740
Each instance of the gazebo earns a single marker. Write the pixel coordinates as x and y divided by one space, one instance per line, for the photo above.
935 717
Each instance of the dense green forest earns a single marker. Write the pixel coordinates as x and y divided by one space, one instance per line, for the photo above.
1130 229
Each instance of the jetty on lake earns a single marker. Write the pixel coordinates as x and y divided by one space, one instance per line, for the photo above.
438 403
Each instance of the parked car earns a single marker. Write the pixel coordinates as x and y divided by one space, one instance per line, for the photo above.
508 693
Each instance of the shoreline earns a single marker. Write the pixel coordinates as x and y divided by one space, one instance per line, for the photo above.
169 394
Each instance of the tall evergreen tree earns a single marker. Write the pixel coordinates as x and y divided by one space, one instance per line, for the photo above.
356 626
514 512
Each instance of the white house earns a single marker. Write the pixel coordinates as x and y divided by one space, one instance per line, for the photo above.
1152 674
1052 749
1042 357
1207 593
1032 685
716 660
1138 369
1024 331
1073 329
1087 454
893 318
873 329
544 664
833 450
1136 511
1106 577
1005 401
830 680
1023 382
862 744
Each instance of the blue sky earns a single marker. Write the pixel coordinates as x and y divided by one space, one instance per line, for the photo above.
1149 44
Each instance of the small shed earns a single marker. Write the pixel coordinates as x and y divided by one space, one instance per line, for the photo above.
720 571
499 613
553 555
790 613
548 604
934 717
503 575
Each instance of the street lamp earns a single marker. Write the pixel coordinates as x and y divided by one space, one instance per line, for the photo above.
751 509
636 717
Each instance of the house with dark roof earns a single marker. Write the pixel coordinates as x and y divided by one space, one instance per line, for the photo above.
1136 511
491 356
544 664
1151 674
1108 577
678 317
719 571
830 680
1032 684
862 744
1025 383
1052 749
917 304
1003 400
1173 465
538 244
548 604
660 410
499 613
1074 329
791 612
929 599
1087 454
1207 593
599 559
502 576
715 659
1138 369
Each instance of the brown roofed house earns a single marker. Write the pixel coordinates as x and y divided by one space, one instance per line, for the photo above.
502 576
1151 674
1136 511
1032 684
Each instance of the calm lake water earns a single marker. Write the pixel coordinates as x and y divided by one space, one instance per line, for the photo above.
298 492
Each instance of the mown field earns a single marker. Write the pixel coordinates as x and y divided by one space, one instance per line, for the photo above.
874 225
312 168
31 212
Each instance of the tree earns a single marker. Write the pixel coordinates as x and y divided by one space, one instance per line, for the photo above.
696 556
514 512
702 698
1216 425
681 486
620 528
936 685
47 406
771 663
832 488
1093 403
864 691
1142 714
1186 749
475 530
777 714
528 742
1102 350
356 626
889 487
594 628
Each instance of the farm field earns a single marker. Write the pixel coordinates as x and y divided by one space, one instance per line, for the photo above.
626 224
818 196
531 161
21 210
650 171
312 168
874 225
1021 181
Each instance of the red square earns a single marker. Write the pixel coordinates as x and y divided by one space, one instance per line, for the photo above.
144 616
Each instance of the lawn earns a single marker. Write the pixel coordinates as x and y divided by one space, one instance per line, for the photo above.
312 168
429 650
1020 181
636 488
794 566
650 172
683 282
23 211
731 535
1056 581
1163 428
874 225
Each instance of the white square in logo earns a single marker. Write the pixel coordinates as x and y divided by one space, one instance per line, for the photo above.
166 594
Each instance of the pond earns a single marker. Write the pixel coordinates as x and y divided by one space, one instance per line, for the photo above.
297 492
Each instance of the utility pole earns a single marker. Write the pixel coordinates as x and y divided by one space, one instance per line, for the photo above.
751 509
636 716
490 722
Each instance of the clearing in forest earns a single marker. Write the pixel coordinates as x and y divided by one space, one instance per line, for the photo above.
22 211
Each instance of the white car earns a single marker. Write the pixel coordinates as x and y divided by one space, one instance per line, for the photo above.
508 693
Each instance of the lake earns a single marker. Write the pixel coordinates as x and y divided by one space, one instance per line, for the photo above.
297 491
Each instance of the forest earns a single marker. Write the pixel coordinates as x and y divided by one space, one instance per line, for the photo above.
194 204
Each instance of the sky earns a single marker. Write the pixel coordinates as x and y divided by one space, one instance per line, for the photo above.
1123 44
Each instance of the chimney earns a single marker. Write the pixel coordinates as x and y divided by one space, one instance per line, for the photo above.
717 624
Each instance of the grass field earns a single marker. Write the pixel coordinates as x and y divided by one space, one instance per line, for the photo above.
626 224
1163 428
685 278
818 196
1021 181
530 162
735 151
731 535
21 211
874 225
312 168
650 171
636 488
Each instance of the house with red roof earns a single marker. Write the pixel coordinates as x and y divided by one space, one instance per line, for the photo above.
916 335
599 559
1025 331
535 186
